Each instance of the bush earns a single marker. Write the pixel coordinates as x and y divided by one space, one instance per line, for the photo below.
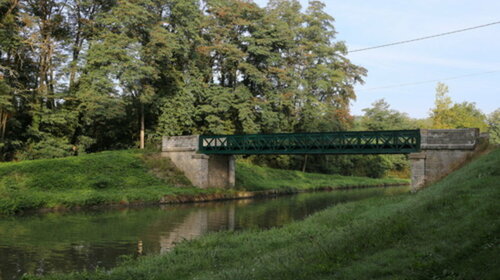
374 166
49 147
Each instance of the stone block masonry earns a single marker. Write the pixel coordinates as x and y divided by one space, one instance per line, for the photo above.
214 171
442 152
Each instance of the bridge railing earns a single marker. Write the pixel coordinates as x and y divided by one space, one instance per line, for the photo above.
344 142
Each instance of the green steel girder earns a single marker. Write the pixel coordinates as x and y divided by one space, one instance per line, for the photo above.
344 142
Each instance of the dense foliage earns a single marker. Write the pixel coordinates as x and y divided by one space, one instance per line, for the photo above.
82 76
90 75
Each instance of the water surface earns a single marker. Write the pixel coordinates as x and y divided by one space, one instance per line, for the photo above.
63 242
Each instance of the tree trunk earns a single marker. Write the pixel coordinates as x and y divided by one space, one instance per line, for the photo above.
77 45
141 146
304 163
4 116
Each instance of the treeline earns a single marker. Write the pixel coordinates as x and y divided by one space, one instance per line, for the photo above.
445 114
82 76
88 75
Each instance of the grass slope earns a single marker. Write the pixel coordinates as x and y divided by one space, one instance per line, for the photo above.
131 176
257 178
450 230
107 177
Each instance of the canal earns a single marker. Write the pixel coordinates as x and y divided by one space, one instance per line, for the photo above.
72 241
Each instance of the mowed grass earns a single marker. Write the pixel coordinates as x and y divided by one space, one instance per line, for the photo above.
257 178
450 230
107 177
123 177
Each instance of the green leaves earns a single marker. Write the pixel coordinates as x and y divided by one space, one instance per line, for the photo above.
494 126
381 117
447 114
270 70
106 71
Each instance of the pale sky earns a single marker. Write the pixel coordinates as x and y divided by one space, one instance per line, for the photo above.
364 23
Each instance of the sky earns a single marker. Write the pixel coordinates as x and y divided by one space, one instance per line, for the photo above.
365 23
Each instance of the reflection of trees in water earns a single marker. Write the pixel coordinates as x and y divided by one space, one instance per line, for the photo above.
76 241
267 213
64 242
76 256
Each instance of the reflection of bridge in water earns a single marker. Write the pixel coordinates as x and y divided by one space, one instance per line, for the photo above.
90 239
199 222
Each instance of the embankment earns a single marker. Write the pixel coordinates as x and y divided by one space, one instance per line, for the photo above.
132 177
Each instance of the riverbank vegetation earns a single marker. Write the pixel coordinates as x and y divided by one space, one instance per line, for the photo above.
256 178
87 76
100 178
123 177
447 231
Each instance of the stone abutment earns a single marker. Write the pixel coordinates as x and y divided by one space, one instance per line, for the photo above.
204 171
442 152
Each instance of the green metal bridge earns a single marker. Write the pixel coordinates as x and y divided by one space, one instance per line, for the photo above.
345 142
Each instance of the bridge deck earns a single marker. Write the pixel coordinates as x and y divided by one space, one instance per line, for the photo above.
345 142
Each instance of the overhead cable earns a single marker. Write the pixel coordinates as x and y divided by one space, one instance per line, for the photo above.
428 81
426 37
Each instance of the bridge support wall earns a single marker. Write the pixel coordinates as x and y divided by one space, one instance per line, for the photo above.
442 152
203 171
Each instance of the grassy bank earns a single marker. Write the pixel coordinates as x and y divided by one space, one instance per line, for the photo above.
123 177
257 178
107 177
448 231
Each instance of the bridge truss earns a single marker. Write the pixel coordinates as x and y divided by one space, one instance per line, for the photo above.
344 142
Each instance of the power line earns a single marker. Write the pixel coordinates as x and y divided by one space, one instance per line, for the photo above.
429 81
426 37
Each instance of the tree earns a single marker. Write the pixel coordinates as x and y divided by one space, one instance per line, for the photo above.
381 117
90 75
115 63
441 115
494 126
81 18
466 115
447 115
328 76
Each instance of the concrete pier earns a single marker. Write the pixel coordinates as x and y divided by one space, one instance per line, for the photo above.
442 152
217 171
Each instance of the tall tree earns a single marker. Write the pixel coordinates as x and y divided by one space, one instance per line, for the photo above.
441 115
81 16
115 64
494 126
446 114
9 42
328 76
381 117
80 75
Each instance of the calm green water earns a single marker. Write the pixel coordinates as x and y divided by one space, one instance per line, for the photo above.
62 242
